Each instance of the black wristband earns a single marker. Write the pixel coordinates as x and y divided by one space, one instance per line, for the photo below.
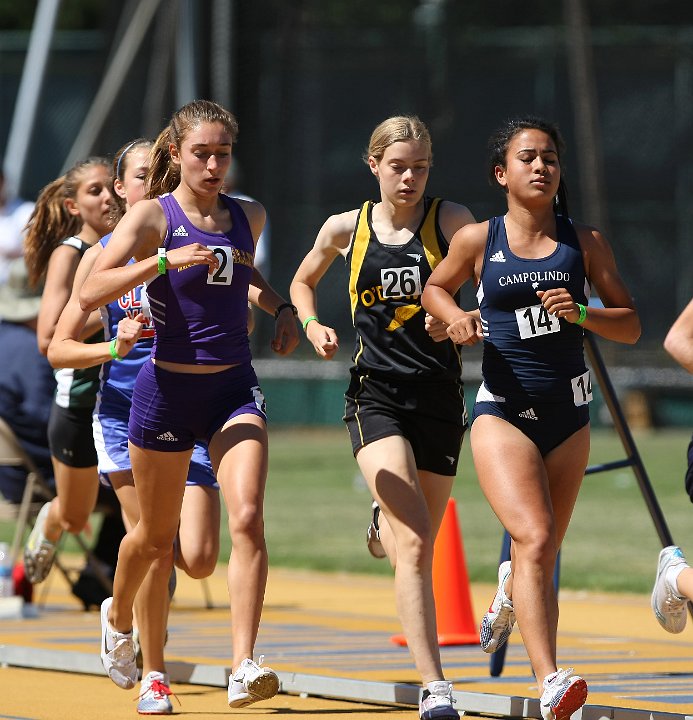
283 306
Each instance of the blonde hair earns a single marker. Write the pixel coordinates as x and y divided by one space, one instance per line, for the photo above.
163 175
50 222
399 128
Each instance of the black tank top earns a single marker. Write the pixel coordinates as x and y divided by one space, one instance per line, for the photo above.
385 286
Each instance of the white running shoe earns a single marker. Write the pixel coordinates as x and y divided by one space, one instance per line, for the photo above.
497 623
437 702
39 553
117 652
564 693
251 683
375 547
154 692
668 607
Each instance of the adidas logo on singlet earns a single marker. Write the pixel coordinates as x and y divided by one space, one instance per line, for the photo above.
528 414
496 257
167 436
180 231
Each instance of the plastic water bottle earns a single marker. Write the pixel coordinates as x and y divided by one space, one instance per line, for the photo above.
6 582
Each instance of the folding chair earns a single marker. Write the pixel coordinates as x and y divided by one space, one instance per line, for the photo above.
36 493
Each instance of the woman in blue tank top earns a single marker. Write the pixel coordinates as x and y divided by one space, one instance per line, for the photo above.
128 345
533 269
194 249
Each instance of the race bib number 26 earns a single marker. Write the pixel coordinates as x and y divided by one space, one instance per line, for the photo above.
398 282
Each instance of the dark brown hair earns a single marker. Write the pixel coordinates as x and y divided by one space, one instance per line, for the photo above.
500 141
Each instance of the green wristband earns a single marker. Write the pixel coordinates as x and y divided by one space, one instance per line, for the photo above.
113 351
161 262
583 314
307 320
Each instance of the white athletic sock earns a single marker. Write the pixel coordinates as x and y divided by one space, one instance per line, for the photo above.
438 686
672 577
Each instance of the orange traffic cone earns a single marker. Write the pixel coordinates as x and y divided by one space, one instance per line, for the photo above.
454 614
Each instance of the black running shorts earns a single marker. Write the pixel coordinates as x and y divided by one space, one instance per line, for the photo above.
432 417
70 436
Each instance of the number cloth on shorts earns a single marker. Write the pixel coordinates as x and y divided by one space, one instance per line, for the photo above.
171 410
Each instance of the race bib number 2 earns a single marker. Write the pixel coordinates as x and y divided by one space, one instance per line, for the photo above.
224 273
534 320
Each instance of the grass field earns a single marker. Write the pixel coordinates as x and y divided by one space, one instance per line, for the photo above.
317 510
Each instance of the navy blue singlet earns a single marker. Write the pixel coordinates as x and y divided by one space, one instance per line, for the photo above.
528 352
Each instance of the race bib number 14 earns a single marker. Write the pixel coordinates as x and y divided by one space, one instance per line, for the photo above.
582 389
534 320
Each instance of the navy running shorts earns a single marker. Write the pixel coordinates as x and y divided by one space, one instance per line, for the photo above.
110 426
547 425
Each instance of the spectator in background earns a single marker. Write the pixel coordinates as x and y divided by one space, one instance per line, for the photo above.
674 582
14 215
27 384
27 387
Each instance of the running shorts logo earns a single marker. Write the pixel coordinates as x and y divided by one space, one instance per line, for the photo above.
168 436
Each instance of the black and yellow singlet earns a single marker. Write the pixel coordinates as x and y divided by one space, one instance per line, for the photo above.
385 286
